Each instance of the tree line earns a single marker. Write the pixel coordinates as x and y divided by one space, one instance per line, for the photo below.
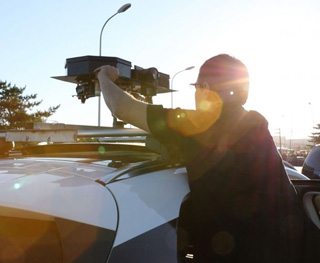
315 135
18 109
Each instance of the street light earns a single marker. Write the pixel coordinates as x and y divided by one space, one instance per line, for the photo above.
121 10
188 68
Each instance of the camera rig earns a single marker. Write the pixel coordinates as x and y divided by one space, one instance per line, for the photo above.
140 82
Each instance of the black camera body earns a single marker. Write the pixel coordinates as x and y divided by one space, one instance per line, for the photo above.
146 82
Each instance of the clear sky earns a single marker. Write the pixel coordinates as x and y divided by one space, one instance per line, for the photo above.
278 40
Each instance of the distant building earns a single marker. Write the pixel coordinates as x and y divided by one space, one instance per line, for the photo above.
295 144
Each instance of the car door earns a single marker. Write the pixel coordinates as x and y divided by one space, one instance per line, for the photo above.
148 204
51 211
309 193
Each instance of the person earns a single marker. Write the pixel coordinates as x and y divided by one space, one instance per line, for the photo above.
242 206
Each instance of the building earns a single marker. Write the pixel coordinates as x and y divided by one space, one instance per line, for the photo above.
295 144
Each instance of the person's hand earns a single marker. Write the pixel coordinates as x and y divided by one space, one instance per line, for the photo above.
111 72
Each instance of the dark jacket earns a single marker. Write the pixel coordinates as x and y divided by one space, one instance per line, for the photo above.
242 206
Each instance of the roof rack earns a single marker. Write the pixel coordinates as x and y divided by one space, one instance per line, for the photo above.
47 132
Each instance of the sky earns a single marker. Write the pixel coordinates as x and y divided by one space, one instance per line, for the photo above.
278 40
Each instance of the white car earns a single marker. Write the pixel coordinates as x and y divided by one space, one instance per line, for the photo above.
97 202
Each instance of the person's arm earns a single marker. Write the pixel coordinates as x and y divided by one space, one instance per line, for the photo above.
121 104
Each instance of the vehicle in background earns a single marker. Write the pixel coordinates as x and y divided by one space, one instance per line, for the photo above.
289 155
293 174
302 153
287 164
299 160
311 165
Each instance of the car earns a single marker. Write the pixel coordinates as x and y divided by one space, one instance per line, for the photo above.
299 160
111 201
311 164
292 172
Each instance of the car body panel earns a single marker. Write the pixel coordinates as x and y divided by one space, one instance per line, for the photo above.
53 210
309 193
148 201
311 165
295 175
57 188
148 211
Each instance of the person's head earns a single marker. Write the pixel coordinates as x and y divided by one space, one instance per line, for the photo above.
222 77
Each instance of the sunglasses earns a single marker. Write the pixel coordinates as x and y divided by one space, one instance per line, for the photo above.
196 85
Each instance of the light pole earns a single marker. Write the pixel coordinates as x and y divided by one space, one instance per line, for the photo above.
188 68
121 10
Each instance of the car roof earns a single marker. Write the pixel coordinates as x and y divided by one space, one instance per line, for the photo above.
102 158
106 160
93 150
